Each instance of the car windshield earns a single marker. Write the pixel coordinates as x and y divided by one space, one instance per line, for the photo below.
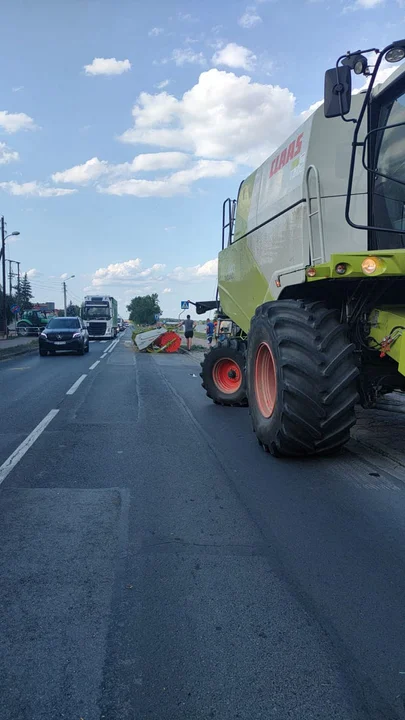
96 313
64 324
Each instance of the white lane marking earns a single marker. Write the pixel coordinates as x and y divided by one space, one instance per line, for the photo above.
76 385
115 343
16 456
103 356
94 365
107 348
103 341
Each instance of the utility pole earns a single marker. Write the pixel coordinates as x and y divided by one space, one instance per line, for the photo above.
10 278
3 267
64 296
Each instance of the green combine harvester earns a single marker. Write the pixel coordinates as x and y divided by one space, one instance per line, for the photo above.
311 276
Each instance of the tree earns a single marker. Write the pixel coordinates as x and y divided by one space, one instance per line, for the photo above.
25 294
143 308
72 310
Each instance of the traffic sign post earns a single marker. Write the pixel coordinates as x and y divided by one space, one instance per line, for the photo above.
185 305
15 309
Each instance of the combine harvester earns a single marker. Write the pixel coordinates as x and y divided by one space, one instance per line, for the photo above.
311 276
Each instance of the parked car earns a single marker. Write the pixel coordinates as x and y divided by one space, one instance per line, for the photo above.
64 333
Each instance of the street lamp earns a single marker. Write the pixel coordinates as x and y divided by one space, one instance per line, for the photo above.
64 291
3 264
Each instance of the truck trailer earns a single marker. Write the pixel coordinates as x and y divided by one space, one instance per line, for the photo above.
311 274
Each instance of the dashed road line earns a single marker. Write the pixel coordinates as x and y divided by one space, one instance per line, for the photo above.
103 356
76 385
94 365
16 456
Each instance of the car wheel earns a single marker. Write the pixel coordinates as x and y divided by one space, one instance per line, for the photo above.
81 350
42 352
87 347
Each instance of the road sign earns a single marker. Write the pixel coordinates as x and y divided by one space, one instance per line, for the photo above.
157 316
15 309
185 305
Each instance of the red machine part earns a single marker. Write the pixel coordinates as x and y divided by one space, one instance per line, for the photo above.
169 338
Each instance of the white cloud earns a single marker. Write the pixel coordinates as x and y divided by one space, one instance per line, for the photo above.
18 88
159 161
368 4
13 122
235 56
33 189
94 169
185 56
33 273
170 228
155 31
186 17
7 155
162 84
222 116
196 272
166 291
250 18
176 184
82 174
306 113
127 273
107 66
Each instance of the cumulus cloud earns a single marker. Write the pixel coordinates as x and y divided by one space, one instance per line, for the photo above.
7 155
82 174
369 4
129 272
107 66
222 116
250 18
196 272
155 31
94 169
186 56
33 189
176 184
13 122
33 273
235 56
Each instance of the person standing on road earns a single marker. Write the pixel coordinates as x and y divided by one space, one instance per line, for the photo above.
210 331
189 326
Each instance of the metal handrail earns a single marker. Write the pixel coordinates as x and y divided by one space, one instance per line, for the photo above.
321 258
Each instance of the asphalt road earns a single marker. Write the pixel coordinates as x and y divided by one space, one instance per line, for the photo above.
156 565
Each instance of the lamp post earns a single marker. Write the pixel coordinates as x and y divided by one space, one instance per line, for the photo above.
3 265
64 292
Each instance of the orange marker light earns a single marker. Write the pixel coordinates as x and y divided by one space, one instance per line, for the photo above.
311 272
370 265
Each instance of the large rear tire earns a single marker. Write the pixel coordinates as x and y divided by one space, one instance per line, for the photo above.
301 378
223 373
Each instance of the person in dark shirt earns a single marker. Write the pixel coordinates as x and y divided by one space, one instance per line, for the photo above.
210 331
189 326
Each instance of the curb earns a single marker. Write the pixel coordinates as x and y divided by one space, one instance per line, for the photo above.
9 353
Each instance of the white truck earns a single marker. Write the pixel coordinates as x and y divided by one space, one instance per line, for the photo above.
99 312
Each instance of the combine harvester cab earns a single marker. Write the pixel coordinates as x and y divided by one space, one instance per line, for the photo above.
312 269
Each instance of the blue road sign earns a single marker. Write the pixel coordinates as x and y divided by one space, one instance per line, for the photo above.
15 309
185 305
157 316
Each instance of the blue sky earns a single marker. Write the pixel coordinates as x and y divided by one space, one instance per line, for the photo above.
124 125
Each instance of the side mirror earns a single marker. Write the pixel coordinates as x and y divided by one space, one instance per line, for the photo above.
338 91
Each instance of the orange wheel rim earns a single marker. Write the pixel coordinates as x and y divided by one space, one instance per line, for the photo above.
227 375
265 380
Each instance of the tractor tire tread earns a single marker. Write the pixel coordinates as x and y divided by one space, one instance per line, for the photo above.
317 375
